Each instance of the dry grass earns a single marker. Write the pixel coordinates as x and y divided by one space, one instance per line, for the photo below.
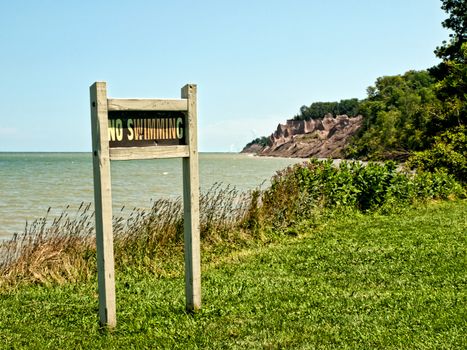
63 249
50 251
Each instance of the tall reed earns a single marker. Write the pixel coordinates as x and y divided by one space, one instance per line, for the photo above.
51 251
63 249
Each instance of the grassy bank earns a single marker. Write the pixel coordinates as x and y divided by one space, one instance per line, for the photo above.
343 281
63 250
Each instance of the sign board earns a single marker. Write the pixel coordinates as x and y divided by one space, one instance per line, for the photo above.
146 128
124 129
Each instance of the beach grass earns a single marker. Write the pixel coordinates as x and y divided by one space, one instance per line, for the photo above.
355 281
63 249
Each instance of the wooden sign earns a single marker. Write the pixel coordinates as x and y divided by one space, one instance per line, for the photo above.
124 129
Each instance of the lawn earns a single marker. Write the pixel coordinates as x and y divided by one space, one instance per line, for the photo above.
349 281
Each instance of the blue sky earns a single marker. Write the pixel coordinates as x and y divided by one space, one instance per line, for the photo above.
255 62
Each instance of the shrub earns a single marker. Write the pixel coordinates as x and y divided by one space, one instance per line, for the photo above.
448 154
298 191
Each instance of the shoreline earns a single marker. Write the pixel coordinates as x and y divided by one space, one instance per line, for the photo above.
35 181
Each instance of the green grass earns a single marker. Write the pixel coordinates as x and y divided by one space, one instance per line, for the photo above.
353 281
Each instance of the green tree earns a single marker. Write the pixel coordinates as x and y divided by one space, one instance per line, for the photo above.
350 107
449 150
262 141
451 73
457 22
318 110
452 91
398 114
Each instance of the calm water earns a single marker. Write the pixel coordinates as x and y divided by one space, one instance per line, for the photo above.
30 183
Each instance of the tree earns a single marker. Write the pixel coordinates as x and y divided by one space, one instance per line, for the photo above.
398 113
451 73
457 22
452 92
318 110
449 151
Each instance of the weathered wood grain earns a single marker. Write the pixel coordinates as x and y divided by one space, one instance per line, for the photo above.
103 205
146 105
149 152
191 206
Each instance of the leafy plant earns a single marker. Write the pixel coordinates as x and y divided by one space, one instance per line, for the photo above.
300 191
449 154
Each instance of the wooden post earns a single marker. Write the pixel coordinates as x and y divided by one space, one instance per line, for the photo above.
103 204
191 206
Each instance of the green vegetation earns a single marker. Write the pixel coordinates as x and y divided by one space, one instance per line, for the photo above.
447 154
316 186
318 110
397 117
457 23
345 281
262 141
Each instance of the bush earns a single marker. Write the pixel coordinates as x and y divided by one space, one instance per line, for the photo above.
299 191
449 154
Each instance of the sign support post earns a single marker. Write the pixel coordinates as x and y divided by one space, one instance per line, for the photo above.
191 206
103 205
130 129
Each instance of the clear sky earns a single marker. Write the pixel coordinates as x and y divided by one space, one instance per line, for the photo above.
255 62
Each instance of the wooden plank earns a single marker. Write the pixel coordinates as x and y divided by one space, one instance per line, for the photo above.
149 152
191 206
103 205
146 105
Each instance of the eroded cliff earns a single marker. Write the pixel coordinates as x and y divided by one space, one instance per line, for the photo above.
320 138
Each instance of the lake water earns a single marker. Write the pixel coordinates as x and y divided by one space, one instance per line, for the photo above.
30 183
